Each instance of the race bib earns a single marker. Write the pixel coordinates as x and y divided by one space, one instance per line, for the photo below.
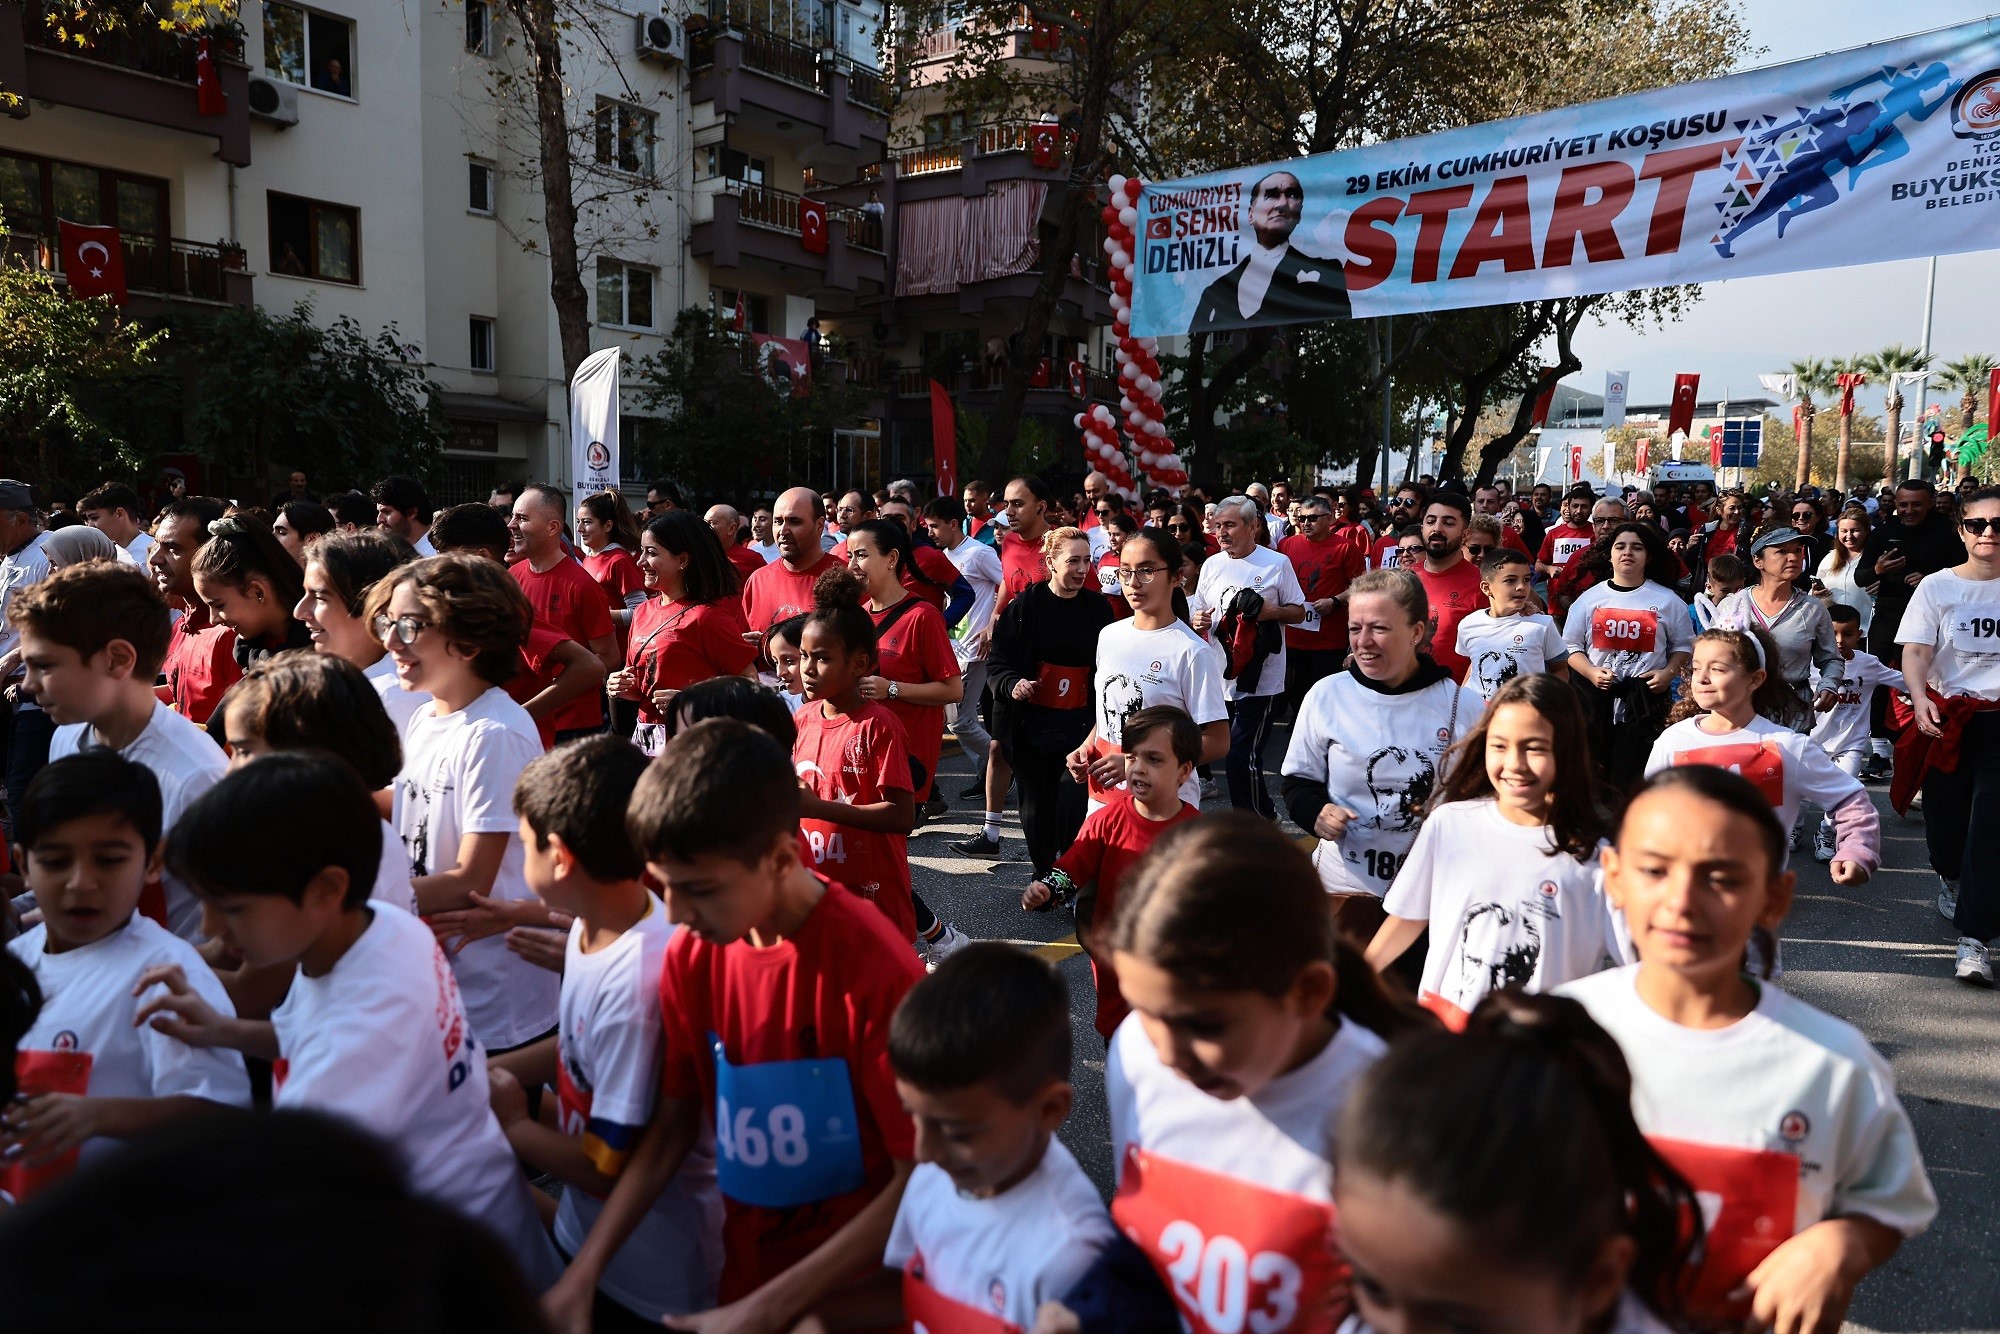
650 738
1975 628
1062 687
1237 1257
826 843
786 1132
1450 1015
1624 629
1311 622
1749 1202
1565 547
1107 581
929 1311
1097 791
572 1103
37 1073
1760 762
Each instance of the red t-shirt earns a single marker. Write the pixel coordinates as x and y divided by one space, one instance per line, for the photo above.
538 672
1325 569
200 665
1454 596
567 598
938 570
778 592
1383 555
614 570
1113 837
1561 542
915 648
746 561
858 759
1512 540
1021 568
826 994
675 644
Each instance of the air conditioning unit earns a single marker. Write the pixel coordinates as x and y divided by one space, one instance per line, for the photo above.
661 38
273 101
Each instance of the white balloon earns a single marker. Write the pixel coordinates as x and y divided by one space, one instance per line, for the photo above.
1128 216
1121 316
1125 403
1145 384
1116 183
1079 421
1110 245
1127 371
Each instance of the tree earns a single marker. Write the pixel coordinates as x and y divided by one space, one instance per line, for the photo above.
1890 366
1969 376
1814 378
1854 373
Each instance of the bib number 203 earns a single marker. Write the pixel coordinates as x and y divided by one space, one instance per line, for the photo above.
780 1139
1383 864
1226 1286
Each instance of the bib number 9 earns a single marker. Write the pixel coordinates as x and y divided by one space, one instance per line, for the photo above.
781 1139
1218 1279
827 846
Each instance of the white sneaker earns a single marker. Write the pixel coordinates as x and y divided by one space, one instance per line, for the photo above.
1792 840
1947 900
1973 965
1823 842
951 942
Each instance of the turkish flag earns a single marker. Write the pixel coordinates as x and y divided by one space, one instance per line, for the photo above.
1849 382
742 313
812 225
1992 401
1799 425
209 99
1044 145
93 261
1576 463
1715 446
944 440
1546 399
1644 452
1680 417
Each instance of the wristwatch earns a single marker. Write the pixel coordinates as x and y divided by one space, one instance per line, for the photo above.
895 689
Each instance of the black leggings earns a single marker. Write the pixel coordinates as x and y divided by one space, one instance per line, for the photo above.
1051 801
926 919
1962 827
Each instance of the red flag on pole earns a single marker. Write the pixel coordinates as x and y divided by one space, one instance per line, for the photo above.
1992 400
1799 424
209 99
944 440
1715 446
1576 463
1680 416
1849 381
1546 399
742 312
92 261
1044 145
812 225
1644 452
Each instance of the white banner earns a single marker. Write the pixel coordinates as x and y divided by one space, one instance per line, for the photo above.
1615 383
1610 460
593 424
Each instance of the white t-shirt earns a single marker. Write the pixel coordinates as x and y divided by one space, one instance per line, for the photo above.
139 548
1002 1256
1381 756
1786 766
767 550
1784 1079
1204 1179
402 704
29 565
1961 619
423 546
1137 669
1503 647
981 568
382 1040
609 1083
458 778
392 877
186 762
1502 911
1845 726
1632 631
87 1006
1272 576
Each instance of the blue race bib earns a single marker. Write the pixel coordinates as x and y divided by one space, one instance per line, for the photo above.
786 1132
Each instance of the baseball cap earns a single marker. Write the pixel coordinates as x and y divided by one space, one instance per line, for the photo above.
1777 537
16 495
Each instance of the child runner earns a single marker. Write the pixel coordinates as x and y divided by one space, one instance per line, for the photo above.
1843 730
777 997
605 1064
1504 871
783 648
689 628
455 624
283 853
1251 1022
1726 576
853 762
250 583
998 1218
1161 745
1510 638
1550 1213
1785 1117
1731 681
1628 635
89 831
92 639
340 570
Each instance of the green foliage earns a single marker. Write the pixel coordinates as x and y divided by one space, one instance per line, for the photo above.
726 427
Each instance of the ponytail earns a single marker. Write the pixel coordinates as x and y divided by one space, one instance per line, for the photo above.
889 536
837 608
240 548
1553 1163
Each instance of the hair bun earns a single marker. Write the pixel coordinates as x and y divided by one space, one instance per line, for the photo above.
839 587
227 526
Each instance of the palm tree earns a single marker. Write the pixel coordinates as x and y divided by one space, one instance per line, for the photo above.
1814 378
1969 375
1890 362
1845 366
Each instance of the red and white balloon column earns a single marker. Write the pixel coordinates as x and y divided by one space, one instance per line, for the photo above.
1143 415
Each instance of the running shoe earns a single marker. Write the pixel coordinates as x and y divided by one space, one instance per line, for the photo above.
950 942
1947 901
1973 965
979 845
937 807
1823 841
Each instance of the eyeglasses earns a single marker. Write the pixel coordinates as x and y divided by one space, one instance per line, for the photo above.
1140 574
1476 553
1978 527
405 628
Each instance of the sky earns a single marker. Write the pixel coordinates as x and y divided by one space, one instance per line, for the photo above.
1750 326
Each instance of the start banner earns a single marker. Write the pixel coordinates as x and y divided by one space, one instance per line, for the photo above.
1883 152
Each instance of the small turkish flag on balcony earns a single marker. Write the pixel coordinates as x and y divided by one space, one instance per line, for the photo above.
812 225
1044 145
92 261
209 99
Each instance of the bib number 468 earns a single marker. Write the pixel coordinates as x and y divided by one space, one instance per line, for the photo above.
1227 1286
781 1139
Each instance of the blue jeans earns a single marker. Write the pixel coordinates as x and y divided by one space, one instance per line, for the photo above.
28 737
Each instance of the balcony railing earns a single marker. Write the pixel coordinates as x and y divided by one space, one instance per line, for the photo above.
165 266
864 229
786 58
783 59
986 377
139 45
1005 136
762 206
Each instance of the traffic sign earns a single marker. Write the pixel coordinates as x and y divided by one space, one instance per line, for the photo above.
1742 441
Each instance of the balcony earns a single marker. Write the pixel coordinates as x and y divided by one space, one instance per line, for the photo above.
832 112
158 269
984 380
757 227
986 155
137 73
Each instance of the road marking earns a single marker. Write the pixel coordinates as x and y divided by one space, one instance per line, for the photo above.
1055 951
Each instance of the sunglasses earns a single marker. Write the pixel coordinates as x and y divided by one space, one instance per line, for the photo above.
1177 527
1476 553
1978 527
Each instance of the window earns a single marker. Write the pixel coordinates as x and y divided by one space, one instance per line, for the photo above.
478 28
313 49
481 356
314 240
947 127
756 309
625 137
624 295
35 191
479 187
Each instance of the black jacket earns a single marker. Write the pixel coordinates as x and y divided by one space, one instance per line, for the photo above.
1039 627
1303 287
1931 546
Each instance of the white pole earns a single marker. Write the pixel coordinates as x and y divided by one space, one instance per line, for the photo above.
1919 443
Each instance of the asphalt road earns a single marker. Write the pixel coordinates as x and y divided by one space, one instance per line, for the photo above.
1878 956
